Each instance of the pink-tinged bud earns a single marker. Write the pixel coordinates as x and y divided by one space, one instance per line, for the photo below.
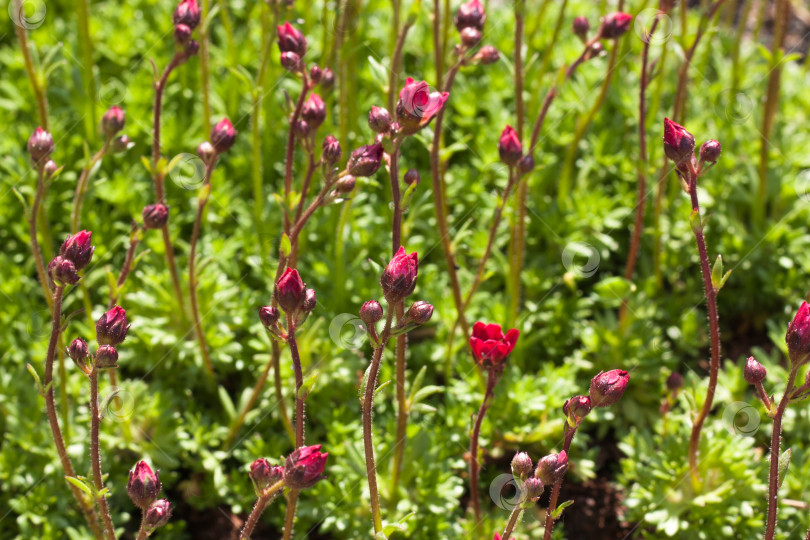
314 111
143 486
509 148
534 488
315 74
77 249
187 13
269 315
304 467
399 277
157 515
487 55
420 312
345 184
526 164
223 136
192 48
310 300
615 25
155 216
365 160
490 347
412 177
62 272
121 144
470 37
608 387
113 121
264 475
327 78
710 151
674 381
182 34
551 468
301 129
206 152
679 144
291 40
290 291
417 106
331 150
470 15
112 327
754 372
106 357
40 145
379 119
79 353
798 334
291 61
581 27
371 312
50 168
521 465
578 406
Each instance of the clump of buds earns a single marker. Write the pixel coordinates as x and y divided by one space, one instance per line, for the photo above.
470 15
77 249
314 111
417 106
365 160
62 272
223 135
798 335
510 149
490 346
304 467
112 327
615 25
113 121
40 146
155 216
398 280
379 119
186 18
551 468
143 486
264 475
608 387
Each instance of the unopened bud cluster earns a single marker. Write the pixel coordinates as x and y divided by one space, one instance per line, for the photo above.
143 489
292 296
186 18
510 150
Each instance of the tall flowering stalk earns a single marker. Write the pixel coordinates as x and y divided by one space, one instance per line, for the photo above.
679 146
530 489
490 349
143 489
40 147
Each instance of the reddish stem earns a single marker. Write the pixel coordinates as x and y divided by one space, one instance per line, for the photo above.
493 375
555 491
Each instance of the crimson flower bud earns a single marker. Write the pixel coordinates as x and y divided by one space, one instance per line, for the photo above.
578 406
314 111
331 150
290 291
79 353
157 515
40 145
490 347
77 249
487 55
509 148
182 34
121 144
608 387
399 277
674 381
365 160
304 467
192 48
264 475
379 119
301 129
417 106
412 177
345 184
371 312
113 121
112 327
106 357
62 272
269 315
679 144
291 39
710 151
223 136
420 312
291 61
754 372
581 27
315 74
526 164
521 465
50 168
310 300
187 13
155 216
143 486
798 334
615 25
551 468
470 37
534 488
470 15
327 78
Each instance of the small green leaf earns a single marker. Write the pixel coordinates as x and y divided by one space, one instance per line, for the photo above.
82 484
717 272
285 247
226 402
379 388
559 510
174 162
307 385
147 164
34 374
784 461
695 222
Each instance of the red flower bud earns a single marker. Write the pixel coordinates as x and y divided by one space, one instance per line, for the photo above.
291 40
490 347
578 406
113 121
304 467
310 300
615 25
331 150
417 106
155 216
365 160
345 184
679 144
710 151
290 291
106 357
551 468
206 152
509 148
754 372
50 168
379 119
534 488
187 13
264 475
371 312
399 277
521 465
77 249
62 272
40 145
314 111
470 15
470 37
420 312
412 177
581 27
143 486
315 74
798 334
487 55
291 61
608 387
112 327
79 353
223 136
327 78
157 515
526 164
269 315
675 381
182 34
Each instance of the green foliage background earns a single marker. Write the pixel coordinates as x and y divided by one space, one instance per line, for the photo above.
569 325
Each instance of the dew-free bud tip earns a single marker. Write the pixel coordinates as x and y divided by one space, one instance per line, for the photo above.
420 312
366 160
264 475
615 25
187 13
412 177
798 333
155 216
113 121
581 27
371 312
112 327
62 272
310 300
157 515
551 468
223 135
470 37
398 279
290 39
754 372
77 248
577 406
106 357
290 291
379 119
608 387
304 467
710 151
331 152
314 111
679 144
534 488
509 148
40 145
269 315
291 61
345 184
470 15
521 465
143 486
487 55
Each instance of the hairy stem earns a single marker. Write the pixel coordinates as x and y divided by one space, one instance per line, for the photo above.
32 233
262 501
205 76
36 86
288 157
292 501
493 376
513 519
555 491
95 457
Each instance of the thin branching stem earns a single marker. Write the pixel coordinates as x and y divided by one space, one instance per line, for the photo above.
493 376
555 491
262 501
95 457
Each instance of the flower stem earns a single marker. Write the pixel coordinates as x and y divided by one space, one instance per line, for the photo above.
32 232
292 500
555 491
205 75
493 376
289 517
261 503
396 59
142 529
81 187
513 519
36 86
368 409
288 158
95 457
438 50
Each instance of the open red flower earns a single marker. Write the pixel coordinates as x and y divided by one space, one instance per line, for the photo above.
490 346
417 106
